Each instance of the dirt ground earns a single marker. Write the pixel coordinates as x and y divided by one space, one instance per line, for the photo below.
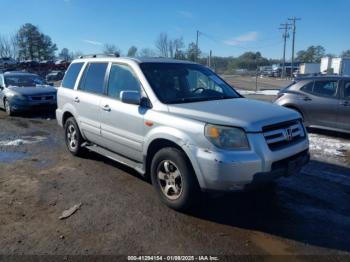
308 214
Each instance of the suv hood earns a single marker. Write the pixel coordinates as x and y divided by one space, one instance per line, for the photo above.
33 90
249 114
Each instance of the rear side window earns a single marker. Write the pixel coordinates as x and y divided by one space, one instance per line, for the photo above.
71 75
308 87
93 79
325 88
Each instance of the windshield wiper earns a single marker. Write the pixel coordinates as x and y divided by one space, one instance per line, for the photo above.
198 99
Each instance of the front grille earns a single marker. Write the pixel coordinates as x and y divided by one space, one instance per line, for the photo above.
284 134
42 98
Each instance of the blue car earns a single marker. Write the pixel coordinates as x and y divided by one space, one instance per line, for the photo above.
23 92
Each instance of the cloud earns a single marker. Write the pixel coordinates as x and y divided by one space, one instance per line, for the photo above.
92 42
248 37
185 14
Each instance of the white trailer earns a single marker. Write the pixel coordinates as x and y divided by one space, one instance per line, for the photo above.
325 64
340 66
309 68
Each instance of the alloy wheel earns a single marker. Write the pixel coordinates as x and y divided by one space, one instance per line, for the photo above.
169 179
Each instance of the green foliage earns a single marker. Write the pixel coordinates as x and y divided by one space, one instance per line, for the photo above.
193 53
249 60
346 53
33 44
132 51
312 54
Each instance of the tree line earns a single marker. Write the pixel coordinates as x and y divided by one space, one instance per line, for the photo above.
29 43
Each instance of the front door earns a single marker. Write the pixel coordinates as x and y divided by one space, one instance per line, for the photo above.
122 125
321 103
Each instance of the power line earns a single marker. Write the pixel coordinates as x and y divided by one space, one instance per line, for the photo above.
293 19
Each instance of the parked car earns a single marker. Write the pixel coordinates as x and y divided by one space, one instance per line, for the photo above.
7 62
179 124
323 101
21 92
54 76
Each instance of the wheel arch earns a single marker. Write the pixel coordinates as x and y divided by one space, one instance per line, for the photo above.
162 142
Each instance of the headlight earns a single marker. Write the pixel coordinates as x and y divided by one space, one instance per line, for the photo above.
230 138
19 97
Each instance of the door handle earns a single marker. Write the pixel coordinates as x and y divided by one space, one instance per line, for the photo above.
345 103
106 108
307 98
76 100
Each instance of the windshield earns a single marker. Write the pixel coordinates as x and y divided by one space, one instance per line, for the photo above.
24 80
183 83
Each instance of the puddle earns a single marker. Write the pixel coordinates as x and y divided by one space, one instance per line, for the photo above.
23 140
10 157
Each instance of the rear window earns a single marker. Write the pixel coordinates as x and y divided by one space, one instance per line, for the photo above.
94 77
71 75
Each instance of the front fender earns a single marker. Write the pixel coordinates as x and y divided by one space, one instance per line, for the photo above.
181 139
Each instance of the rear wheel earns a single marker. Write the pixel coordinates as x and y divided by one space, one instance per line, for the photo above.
73 137
173 179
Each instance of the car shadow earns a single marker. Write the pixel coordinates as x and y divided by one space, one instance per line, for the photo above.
307 208
48 114
328 133
311 208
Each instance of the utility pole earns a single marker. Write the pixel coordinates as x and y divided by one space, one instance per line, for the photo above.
209 60
285 35
293 19
197 53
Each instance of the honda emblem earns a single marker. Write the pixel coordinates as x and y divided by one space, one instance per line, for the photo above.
288 134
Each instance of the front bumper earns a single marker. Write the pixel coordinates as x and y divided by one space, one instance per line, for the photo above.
25 106
237 171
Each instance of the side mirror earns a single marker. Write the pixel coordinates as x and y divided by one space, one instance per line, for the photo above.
130 97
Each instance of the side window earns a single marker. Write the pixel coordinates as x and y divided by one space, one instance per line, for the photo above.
347 90
121 78
71 75
93 79
325 88
308 87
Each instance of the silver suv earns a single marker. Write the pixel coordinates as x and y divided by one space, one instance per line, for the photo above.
178 123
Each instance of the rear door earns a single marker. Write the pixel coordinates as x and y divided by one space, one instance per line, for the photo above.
2 90
122 125
88 98
344 106
321 102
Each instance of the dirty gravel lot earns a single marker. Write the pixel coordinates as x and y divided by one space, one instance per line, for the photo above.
121 215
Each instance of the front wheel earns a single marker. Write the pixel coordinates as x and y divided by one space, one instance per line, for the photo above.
173 179
73 137
8 108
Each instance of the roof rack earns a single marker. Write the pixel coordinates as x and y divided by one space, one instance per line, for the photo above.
100 55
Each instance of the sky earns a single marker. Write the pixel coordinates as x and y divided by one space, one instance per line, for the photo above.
227 27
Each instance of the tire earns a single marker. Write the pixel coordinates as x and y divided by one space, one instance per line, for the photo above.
173 179
7 107
73 137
